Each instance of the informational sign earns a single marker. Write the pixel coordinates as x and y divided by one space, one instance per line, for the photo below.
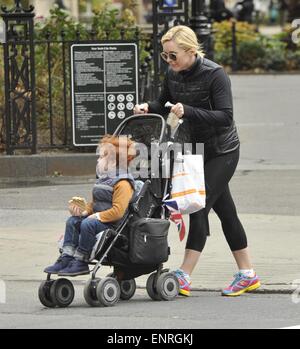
104 88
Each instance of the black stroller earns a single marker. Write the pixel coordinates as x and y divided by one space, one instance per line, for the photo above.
139 245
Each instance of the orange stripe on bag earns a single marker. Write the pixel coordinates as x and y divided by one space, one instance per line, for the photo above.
187 192
180 174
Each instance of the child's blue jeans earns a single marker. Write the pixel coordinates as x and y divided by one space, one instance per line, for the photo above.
80 236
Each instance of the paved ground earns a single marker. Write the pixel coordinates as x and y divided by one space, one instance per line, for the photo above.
31 220
266 189
266 111
202 310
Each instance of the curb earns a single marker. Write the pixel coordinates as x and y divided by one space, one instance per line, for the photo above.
45 181
24 167
58 167
261 290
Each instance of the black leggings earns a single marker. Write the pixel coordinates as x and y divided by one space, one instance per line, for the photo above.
218 172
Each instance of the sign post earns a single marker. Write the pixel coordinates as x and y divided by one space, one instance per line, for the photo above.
104 88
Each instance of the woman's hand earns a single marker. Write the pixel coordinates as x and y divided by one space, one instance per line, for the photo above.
75 210
141 108
178 110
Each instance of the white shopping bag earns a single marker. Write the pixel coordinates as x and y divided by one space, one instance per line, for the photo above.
188 184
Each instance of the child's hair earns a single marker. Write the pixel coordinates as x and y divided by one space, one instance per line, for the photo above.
122 144
184 37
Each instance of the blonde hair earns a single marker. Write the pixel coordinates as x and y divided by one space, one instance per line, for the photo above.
184 37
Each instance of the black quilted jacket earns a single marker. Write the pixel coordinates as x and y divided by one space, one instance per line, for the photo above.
205 92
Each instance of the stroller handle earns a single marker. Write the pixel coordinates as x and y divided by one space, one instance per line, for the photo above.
122 125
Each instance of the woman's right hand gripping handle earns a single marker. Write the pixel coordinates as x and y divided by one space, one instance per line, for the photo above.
141 108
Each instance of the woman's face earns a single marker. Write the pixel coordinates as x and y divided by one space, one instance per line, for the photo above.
184 59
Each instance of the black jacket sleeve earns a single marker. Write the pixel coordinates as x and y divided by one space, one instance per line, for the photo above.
158 106
220 100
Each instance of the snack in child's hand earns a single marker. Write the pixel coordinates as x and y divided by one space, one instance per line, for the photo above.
79 202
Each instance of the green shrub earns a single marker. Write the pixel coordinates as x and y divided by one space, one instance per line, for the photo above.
223 57
255 51
264 53
245 32
250 54
293 60
275 54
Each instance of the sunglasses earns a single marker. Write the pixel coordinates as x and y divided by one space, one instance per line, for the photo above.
171 55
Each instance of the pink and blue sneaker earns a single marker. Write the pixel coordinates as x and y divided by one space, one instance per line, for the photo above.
241 284
184 282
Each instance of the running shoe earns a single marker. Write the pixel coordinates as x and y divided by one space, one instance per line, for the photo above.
241 284
184 283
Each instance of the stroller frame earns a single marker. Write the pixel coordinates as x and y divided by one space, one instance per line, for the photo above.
161 284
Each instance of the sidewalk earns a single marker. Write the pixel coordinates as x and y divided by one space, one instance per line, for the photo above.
30 226
266 190
274 244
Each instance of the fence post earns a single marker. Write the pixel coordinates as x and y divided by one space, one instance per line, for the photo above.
202 27
19 66
234 62
165 14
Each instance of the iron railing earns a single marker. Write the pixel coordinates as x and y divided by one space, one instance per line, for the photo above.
35 104
36 71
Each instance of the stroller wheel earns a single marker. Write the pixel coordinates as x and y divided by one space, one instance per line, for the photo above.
62 292
44 294
108 291
90 294
167 286
128 288
151 288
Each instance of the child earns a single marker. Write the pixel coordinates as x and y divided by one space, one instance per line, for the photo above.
112 194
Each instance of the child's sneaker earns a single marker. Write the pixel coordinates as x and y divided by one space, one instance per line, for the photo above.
184 282
76 267
60 264
241 284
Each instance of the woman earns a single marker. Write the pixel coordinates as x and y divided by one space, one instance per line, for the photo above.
201 93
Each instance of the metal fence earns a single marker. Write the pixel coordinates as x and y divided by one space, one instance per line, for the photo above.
35 101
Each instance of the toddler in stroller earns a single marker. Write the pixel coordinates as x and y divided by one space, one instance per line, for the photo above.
124 227
112 193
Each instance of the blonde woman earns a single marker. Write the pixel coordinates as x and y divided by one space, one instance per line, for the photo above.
201 93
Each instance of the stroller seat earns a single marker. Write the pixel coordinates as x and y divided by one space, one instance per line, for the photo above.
107 235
